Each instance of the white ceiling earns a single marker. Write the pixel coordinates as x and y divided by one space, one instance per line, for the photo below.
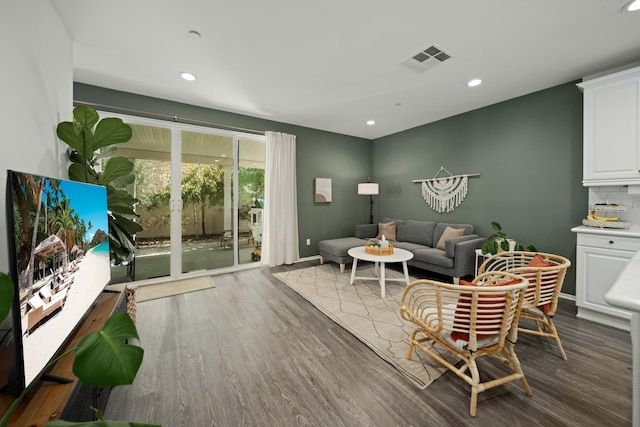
334 64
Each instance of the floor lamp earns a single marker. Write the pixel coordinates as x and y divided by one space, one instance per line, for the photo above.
368 189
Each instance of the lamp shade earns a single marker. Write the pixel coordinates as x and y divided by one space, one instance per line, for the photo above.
368 188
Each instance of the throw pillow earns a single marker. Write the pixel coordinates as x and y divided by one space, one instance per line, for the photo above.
461 319
448 233
538 261
388 229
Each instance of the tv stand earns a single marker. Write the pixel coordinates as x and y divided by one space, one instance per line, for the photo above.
70 401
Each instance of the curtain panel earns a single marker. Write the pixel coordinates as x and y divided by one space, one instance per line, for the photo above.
280 243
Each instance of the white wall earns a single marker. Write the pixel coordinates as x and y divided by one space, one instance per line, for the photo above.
36 93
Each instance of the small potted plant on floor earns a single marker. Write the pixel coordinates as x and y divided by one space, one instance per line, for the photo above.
499 241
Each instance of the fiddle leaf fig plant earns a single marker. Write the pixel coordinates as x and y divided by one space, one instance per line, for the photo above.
92 142
102 358
500 241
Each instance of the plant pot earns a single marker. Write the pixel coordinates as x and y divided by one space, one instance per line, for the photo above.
512 245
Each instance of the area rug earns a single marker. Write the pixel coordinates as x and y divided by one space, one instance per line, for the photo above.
359 309
171 288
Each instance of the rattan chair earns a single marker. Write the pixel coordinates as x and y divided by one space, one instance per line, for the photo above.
469 322
546 273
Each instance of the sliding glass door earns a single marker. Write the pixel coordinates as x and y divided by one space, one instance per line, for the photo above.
207 201
201 194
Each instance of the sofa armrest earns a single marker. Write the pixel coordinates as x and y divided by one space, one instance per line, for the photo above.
451 244
366 231
465 256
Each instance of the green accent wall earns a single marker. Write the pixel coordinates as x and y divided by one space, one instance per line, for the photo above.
345 159
528 151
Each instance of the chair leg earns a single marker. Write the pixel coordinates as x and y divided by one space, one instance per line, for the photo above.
341 268
552 330
475 386
412 339
321 260
509 351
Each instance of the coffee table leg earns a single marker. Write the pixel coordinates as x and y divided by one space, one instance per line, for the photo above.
353 270
382 280
406 272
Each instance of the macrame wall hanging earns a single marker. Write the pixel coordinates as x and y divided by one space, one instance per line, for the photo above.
445 193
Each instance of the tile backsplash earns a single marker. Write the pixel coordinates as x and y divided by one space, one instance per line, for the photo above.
620 195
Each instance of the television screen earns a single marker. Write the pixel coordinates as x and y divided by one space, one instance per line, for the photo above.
59 261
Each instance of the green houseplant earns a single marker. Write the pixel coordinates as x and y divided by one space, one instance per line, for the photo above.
500 241
102 358
92 143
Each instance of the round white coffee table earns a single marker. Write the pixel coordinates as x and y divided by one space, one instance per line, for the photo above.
398 255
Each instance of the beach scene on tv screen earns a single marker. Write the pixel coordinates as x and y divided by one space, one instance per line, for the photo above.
62 256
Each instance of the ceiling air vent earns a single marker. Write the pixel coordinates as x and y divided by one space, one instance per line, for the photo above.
427 58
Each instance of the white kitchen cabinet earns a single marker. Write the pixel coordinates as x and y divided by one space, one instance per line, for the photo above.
600 258
612 129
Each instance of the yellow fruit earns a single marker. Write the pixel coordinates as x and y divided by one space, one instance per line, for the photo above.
602 218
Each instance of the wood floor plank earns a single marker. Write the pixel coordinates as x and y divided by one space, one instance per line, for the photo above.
252 352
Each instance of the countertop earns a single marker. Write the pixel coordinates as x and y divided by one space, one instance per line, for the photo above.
633 231
625 291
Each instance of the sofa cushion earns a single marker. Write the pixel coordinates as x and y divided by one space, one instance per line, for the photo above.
387 229
420 232
408 246
366 231
448 233
441 226
433 256
399 226
339 247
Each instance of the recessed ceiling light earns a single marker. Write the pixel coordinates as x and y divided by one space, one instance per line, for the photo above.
188 76
632 6
371 122
474 82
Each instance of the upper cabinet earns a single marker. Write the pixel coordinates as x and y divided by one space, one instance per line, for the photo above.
612 129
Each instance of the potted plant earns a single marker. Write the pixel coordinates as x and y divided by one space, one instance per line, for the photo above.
499 241
92 140
103 358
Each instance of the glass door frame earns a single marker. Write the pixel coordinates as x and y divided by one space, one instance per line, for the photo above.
176 203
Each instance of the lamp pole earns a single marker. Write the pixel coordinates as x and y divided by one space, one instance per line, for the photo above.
371 211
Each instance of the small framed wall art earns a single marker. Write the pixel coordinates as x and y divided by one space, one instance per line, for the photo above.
322 190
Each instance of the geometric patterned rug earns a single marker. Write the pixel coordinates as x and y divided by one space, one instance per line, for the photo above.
359 309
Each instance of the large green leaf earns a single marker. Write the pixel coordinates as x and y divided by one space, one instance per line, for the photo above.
104 358
115 168
86 117
77 173
66 132
6 296
125 238
123 181
125 224
110 131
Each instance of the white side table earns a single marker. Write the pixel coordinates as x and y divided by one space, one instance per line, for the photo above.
398 255
480 258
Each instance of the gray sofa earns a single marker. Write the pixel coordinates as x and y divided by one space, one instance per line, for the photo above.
419 237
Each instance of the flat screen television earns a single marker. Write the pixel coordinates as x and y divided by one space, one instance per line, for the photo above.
59 262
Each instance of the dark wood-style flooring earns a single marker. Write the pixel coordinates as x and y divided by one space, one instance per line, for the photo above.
253 352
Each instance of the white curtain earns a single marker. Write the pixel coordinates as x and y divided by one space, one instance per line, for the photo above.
280 223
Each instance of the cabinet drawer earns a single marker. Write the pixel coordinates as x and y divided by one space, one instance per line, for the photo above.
609 242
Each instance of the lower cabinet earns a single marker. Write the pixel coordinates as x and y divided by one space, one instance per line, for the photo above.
599 261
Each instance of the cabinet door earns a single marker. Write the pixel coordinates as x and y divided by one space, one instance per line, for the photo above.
596 271
611 144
